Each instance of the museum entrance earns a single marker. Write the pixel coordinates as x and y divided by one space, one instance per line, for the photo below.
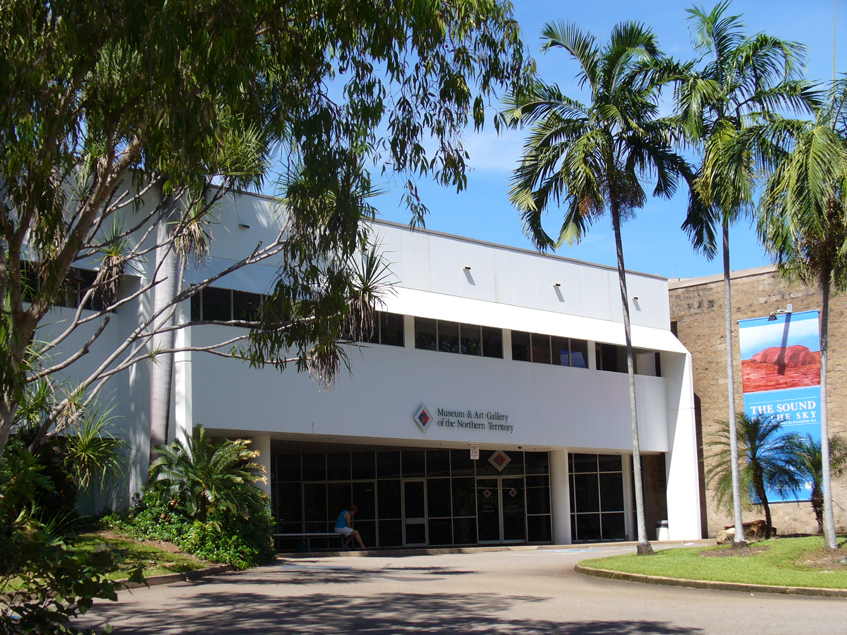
411 496
501 509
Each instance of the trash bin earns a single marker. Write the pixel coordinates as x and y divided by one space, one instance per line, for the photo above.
662 532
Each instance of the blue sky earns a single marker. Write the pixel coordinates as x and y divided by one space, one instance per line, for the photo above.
653 242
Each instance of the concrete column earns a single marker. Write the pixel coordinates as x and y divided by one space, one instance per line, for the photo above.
629 500
262 445
560 497
683 477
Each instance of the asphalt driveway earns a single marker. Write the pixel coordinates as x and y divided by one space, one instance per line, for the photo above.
526 591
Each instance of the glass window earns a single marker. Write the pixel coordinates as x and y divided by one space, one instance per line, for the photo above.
289 503
583 463
391 329
539 528
388 464
363 465
440 532
492 342
390 533
314 499
425 334
464 531
611 358
438 497
537 462
216 304
540 348
464 503
364 497
520 346
314 467
196 304
413 463
586 493
471 339
579 353
561 351
338 467
288 467
610 462
461 463
448 337
339 497
388 499
246 306
537 494
438 462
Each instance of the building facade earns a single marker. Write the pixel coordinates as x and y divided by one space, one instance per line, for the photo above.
490 406
697 311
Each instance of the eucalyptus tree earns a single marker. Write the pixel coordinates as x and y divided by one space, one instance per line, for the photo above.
803 224
734 87
591 157
102 104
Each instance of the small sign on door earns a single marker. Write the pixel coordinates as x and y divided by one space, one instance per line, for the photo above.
474 452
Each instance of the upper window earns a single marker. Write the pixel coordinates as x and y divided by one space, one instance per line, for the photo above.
77 283
463 339
387 329
549 349
613 358
222 305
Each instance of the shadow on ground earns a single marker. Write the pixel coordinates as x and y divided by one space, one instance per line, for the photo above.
222 611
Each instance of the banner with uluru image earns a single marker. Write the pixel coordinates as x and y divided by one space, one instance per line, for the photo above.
781 371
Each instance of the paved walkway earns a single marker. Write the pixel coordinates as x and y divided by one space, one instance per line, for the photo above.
526 591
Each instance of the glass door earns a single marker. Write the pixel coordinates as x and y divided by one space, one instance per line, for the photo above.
514 508
488 509
414 512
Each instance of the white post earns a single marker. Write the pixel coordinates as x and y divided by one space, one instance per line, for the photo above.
560 497
628 501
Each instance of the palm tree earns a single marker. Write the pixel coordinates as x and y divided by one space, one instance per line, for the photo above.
803 223
768 463
724 108
591 157
204 475
809 464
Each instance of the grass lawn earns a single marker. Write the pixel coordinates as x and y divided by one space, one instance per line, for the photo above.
778 562
157 559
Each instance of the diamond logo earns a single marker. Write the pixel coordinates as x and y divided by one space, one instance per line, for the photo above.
422 418
499 460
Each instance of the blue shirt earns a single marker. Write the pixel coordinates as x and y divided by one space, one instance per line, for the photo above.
342 521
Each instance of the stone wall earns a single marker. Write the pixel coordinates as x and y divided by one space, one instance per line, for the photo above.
697 311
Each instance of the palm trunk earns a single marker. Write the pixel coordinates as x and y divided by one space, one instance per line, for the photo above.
759 484
162 371
739 540
830 540
817 506
643 547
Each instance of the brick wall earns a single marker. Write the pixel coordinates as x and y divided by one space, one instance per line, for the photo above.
697 307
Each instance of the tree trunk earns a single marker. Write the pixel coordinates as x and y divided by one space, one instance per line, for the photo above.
829 537
643 547
162 370
739 540
817 506
759 485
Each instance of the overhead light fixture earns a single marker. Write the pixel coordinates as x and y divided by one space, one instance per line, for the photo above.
789 308
467 268
243 226
635 298
556 284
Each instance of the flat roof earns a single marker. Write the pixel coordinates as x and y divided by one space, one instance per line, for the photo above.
681 283
465 239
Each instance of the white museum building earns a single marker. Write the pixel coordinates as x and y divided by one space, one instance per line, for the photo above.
491 407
